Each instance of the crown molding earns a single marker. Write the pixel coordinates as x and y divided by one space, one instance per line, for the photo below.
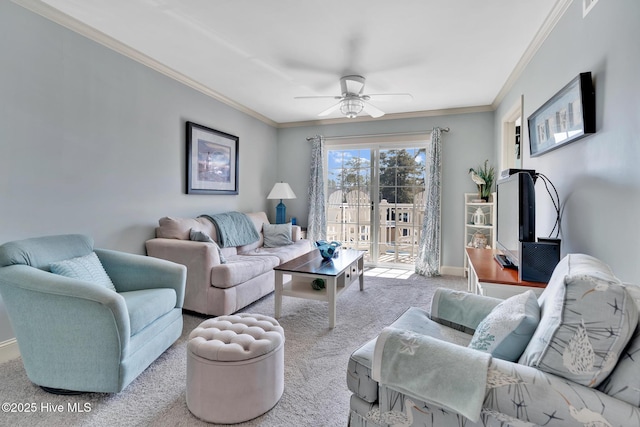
548 25
394 116
76 26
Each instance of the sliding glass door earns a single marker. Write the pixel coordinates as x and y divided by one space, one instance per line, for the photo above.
375 200
349 201
401 204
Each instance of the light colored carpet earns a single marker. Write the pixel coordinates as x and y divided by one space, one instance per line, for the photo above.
315 365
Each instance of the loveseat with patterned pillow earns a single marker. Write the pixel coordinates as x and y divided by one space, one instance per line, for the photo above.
569 358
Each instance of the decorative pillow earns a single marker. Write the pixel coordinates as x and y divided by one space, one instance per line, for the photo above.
587 319
87 268
508 328
276 235
460 310
201 236
180 228
624 381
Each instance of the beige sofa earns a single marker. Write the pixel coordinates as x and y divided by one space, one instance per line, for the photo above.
220 288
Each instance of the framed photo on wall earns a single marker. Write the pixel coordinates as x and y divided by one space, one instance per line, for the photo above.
568 116
212 161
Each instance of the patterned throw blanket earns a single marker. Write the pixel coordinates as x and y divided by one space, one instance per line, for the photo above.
233 229
425 368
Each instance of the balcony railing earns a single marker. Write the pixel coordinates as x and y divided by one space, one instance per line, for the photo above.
399 229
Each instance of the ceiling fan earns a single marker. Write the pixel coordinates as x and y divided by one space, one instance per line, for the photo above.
353 101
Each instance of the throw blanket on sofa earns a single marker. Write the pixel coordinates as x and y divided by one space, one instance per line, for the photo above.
233 229
428 369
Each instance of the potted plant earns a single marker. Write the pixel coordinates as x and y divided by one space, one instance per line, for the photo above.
483 177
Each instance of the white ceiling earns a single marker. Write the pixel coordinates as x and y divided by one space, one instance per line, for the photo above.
257 55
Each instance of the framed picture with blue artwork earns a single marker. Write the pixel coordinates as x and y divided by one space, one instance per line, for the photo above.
568 116
212 161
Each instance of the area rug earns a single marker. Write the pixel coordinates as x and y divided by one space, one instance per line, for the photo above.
316 359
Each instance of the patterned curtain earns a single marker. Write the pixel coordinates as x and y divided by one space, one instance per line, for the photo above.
428 260
317 222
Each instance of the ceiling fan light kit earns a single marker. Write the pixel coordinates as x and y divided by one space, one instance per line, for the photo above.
351 107
352 101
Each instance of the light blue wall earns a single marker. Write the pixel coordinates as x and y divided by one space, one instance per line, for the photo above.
93 142
597 177
466 145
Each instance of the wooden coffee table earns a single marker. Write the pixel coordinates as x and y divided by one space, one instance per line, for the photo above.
338 273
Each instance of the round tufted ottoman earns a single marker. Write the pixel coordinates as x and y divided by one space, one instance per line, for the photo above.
235 367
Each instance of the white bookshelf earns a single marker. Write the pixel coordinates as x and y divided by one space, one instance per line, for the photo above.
472 206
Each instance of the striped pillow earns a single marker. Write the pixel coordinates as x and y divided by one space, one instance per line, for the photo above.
87 268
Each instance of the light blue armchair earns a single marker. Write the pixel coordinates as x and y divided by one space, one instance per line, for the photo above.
79 336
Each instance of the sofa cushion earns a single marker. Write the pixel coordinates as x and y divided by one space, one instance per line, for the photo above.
180 228
87 268
276 235
201 236
258 219
147 305
240 268
587 319
284 253
507 330
624 381
228 252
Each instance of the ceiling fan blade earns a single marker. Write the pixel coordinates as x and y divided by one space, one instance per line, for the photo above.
318 97
330 109
387 97
373 111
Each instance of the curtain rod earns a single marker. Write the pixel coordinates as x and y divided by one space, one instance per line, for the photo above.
378 135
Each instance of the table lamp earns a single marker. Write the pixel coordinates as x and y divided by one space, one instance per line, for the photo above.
281 191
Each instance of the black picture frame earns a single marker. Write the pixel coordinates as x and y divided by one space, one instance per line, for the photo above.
568 116
212 161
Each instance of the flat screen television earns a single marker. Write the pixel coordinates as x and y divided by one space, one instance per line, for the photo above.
516 216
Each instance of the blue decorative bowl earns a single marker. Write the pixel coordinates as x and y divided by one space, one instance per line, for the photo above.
328 250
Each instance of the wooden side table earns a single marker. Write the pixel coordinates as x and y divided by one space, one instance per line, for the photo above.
487 277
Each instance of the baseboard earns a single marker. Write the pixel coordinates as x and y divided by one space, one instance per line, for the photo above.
452 271
9 350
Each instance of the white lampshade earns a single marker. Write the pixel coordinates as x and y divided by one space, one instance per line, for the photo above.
281 191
